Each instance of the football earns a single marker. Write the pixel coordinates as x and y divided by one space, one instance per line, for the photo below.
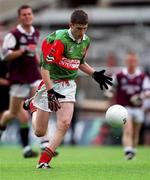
116 115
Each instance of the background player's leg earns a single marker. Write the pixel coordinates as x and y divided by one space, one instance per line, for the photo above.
24 134
136 133
127 139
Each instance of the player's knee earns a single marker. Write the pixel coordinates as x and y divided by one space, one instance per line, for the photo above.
65 124
39 133
13 115
128 133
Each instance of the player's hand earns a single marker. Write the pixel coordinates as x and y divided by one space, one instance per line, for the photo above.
30 49
108 94
136 99
103 80
53 102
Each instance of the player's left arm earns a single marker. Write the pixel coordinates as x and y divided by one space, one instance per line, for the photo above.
53 52
146 87
103 80
137 99
86 68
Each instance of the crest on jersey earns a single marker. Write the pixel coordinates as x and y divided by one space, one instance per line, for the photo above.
23 40
139 80
123 81
36 39
71 49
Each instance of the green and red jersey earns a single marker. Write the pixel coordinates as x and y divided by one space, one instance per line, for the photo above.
62 54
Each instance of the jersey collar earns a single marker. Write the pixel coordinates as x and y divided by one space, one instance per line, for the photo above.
72 37
137 72
20 28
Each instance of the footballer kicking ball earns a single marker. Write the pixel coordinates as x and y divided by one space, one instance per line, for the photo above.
116 115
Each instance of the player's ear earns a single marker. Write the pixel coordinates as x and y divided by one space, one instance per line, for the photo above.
70 25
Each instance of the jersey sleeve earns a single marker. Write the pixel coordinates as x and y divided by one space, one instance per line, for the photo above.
146 84
52 52
8 44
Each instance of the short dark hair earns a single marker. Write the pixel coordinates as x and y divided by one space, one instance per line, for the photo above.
79 17
25 6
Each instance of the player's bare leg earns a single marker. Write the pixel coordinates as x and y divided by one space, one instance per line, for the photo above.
40 122
136 132
64 116
11 113
15 110
127 139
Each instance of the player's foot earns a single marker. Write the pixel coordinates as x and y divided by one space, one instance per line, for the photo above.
30 154
129 155
43 166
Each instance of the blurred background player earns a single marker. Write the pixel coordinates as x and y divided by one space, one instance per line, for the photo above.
62 55
4 104
19 51
131 86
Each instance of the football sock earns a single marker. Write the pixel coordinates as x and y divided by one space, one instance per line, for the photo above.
46 155
128 149
24 132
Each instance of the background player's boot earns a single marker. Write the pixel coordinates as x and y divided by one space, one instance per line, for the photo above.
29 153
129 155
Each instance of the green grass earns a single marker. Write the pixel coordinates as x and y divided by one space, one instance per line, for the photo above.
77 163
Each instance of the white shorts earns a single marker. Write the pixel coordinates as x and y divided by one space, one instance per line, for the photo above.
22 90
67 89
136 114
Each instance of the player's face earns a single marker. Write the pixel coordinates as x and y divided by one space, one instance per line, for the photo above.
26 17
78 30
132 61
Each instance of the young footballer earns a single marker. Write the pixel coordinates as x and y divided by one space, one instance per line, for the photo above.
62 55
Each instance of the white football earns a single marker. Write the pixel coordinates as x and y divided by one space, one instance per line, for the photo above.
116 115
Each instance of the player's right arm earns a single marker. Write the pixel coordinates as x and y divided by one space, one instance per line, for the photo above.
46 78
52 53
8 52
52 95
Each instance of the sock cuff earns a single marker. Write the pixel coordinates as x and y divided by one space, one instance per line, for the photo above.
24 125
26 149
49 152
128 148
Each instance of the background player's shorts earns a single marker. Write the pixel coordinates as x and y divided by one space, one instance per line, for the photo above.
66 88
22 90
136 114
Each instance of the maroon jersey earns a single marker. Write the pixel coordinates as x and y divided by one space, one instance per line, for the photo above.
25 68
127 86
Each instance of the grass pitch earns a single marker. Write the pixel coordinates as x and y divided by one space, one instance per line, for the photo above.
77 163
